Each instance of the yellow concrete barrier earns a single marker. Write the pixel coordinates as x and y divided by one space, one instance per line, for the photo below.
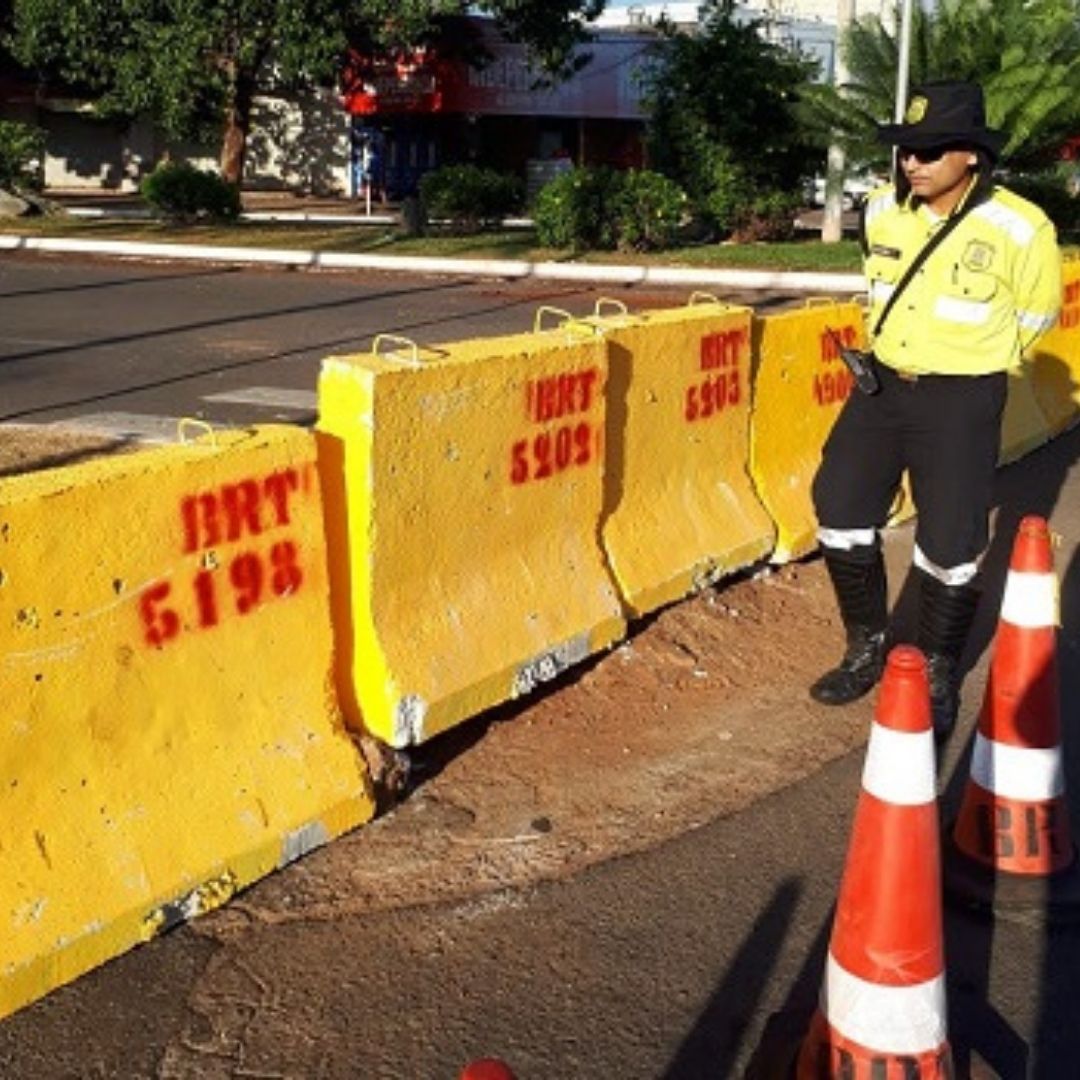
169 727
1055 365
464 492
679 507
1024 425
800 383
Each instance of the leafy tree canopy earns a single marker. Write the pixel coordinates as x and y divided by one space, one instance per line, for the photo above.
721 108
195 65
1024 53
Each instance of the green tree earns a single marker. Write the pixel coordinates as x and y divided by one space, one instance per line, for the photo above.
1024 53
195 66
722 122
22 151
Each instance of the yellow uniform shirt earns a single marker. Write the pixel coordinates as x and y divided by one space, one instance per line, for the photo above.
979 301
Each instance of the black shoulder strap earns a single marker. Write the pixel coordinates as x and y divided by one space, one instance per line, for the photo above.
928 249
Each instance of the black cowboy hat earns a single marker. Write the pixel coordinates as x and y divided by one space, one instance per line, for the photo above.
940 113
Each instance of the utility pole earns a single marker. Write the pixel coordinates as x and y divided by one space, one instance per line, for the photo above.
903 60
832 224
903 65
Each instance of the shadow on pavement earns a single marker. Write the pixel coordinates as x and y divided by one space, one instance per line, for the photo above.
712 1046
151 279
787 1027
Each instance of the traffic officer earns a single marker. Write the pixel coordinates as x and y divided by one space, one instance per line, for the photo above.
943 340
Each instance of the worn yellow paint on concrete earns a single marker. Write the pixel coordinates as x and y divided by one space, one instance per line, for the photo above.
800 384
1024 425
903 507
464 491
169 729
1055 373
680 510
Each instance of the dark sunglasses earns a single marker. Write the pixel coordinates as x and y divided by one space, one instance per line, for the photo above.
925 156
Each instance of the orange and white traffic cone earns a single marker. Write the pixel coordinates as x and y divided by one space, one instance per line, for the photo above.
882 1006
486 1069
1012 847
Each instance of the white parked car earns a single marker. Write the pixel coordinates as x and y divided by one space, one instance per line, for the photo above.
856 188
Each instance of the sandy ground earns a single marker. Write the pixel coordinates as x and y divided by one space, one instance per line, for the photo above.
28 448
700 711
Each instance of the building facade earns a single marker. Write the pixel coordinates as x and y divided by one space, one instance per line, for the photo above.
396 118
423 110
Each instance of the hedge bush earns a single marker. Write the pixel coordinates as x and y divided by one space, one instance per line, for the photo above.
575 209
727 192
22 152
649 211
601 208
767 217
182 192
734 205
468 197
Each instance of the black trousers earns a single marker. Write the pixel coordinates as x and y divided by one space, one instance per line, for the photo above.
946 431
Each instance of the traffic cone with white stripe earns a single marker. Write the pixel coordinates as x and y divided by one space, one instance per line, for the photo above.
882 1006
1012 846
486 1069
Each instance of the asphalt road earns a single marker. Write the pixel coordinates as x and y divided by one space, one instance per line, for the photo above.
128 347
665 963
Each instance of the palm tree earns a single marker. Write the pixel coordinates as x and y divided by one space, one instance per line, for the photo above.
1024 53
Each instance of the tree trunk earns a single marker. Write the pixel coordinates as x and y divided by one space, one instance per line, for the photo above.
237 126
832 217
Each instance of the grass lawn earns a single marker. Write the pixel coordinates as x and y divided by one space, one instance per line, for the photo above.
805 254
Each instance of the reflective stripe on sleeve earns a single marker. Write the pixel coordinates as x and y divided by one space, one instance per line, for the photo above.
880 291
892 1019
1030 600
1017 772
899 766
1030 320
1015 225
877 206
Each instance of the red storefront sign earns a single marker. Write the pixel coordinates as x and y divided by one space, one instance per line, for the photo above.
608 87
394 84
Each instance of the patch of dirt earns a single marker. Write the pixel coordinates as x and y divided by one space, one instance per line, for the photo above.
702 710
28 448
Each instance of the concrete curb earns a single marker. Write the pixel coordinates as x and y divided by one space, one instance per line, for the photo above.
123 213
789 281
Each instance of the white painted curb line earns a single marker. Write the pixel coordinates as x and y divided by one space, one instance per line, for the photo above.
123 213
795 281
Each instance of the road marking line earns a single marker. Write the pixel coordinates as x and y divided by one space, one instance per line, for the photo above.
271 396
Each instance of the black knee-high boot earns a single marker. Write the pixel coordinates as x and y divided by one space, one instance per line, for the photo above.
858 576
946 613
